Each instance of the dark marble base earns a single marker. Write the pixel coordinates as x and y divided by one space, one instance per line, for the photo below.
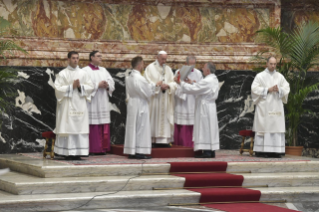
36 105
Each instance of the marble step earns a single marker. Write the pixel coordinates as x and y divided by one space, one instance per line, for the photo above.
288 179
131 199
22 184
124 199
53 169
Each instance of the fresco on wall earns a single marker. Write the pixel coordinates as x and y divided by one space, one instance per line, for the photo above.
83 20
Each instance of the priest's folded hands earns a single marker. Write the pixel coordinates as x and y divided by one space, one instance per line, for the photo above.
76 84
103 84
273 89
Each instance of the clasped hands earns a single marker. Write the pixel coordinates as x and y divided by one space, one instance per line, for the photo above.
164 86
273 89
76 84
103 84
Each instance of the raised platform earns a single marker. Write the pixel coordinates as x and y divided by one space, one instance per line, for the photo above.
172 152
35 184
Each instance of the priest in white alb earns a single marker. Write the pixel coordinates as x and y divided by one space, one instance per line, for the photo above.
99 107
269 92
138 141
162 103
185 108
73 88
206 131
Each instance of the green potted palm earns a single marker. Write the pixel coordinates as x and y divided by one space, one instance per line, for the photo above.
7 75
298 53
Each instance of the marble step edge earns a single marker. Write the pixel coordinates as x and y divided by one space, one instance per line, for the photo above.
21 184
137 199
123 199
51 169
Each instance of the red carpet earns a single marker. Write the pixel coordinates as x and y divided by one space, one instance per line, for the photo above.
173 152
232 194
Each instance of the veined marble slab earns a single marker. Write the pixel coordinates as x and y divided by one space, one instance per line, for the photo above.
22 184
291 194
123 199
51 168
271 167
289 179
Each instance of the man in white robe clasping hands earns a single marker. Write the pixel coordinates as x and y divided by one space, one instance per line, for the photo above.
138 142
269 92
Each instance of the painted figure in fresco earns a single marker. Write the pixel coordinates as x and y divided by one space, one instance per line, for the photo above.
73 88
185 108
138 142
269 92
99 107
162 103
206 131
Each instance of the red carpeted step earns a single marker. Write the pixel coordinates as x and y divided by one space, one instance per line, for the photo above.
173 152
198 166
227 194
251 207
216 179
221 194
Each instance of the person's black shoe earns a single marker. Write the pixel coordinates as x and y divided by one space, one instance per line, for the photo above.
161 145
258 154
141 156
213 154
131 157
68 157
206 154
265 155
276 155
77 158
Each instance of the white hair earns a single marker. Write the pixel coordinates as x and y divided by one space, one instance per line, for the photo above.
162 52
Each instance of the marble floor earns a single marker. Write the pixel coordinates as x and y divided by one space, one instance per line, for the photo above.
39 184
221 155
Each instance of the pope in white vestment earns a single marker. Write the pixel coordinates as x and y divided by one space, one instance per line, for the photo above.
206 131
269 92
99 107
185 109
162 103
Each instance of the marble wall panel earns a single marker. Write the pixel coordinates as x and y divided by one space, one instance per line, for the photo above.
36 104
176 23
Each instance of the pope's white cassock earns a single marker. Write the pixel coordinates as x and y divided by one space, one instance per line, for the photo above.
206 131
161 104
138 129
72 124
184 112
269 122
99 109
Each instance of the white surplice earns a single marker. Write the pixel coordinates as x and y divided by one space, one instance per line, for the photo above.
161 104
72 124
269 121
185 103
138 128
206 131
99 107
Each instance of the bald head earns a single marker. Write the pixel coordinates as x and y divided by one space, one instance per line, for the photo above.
162 57
271 63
